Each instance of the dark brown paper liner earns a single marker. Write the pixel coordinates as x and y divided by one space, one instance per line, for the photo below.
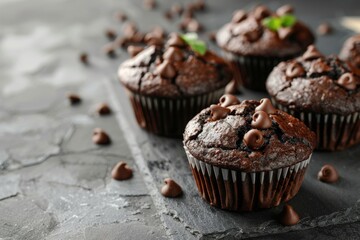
334 132
241 191
252 71
166 116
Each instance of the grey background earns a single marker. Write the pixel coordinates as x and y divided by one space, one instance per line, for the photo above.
55 184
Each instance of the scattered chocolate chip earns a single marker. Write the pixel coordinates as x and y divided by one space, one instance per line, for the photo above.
288 216
121 42
129 29
120 16
110 34
168 15
212 36
294 70
228 100
173 54
74 99
231 88
261 12
188 13
261 120
218 112
285 33
171 189
134 50
100 137
328 174
184 23
175 40
84 58
149 4
347 81
166 70
324 29
266 106
194 26
253 139
103 109
239 16
121 171
109 50
159 32
311 53
286 9
177 9
199 5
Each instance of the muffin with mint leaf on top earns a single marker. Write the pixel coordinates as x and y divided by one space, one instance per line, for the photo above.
256 41
170 83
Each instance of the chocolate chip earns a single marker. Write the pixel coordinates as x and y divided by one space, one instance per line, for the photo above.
253 139
311 53
347 80
231 88
212 36
100 137
110 34
294 69
171 189
324 29
149 4
166 70
168 15
285 33
286 9
109 50
74 99
134 50
84 58
251 35
175 40
288 216
194 26
261 120
129 29
177 9
199 5
121 171
218 112
159 32
121 42
239 16
103 109
261 12
188 13
153 39
120 16
228 100
173 54
328 174
266 106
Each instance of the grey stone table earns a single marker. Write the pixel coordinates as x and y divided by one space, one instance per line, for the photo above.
55 184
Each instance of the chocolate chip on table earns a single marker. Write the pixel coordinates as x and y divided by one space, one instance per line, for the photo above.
288 216
103 109
84 58
109 50
100 137
120 16
110 34
266 106
121 171
176 9
227 100
231 88
134 50
324 29
253 139
218 112
261 120
74 99
171 189
328 174
149 4
130 29
168 15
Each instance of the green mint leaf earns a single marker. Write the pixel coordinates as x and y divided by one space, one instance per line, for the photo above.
195 44
288 20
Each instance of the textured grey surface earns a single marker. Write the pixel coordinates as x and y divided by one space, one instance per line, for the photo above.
55 184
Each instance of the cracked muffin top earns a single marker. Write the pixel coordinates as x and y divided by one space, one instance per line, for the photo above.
351 52
261 32
250 136
173 69
316 83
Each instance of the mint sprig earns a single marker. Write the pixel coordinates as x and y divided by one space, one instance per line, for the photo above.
275 23
194 42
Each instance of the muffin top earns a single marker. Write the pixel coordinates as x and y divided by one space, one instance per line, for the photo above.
174 69
261 32
351 52
316 83
250 136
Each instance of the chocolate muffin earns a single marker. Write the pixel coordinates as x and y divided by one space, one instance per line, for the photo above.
169 83
350 52
256 41
247 155
324 93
